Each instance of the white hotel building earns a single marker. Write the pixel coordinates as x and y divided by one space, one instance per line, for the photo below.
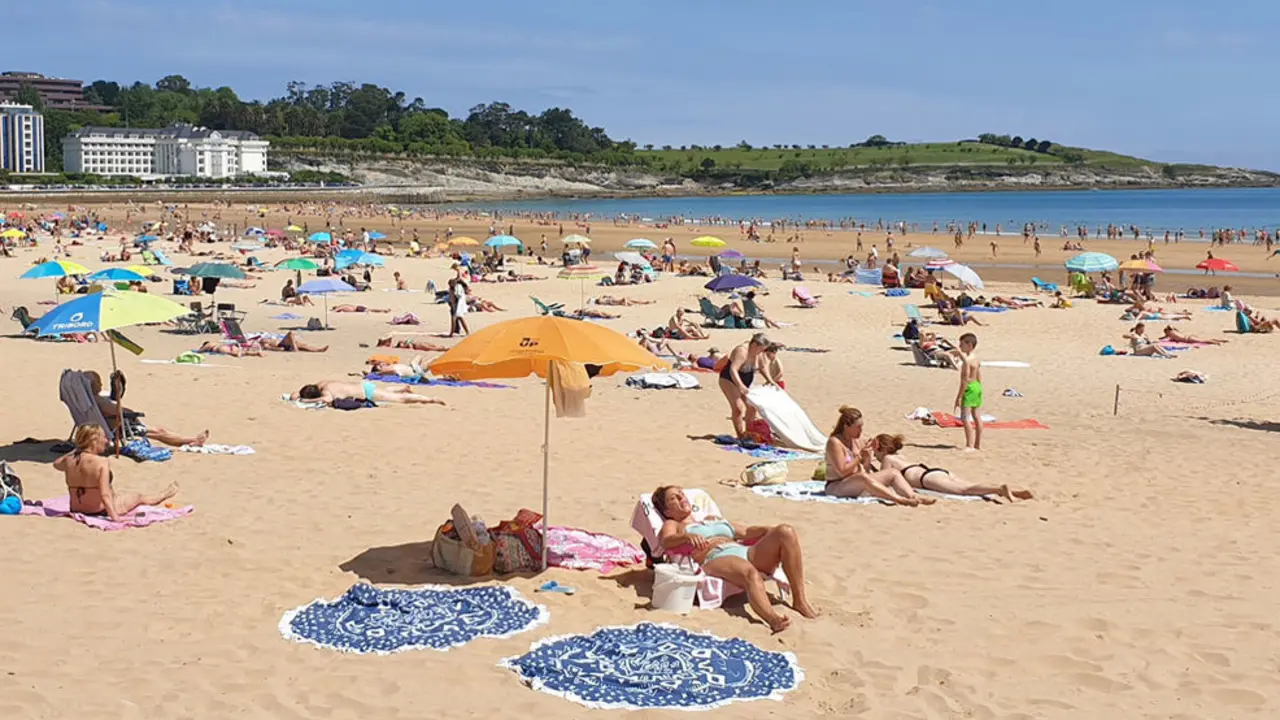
179 150
21 139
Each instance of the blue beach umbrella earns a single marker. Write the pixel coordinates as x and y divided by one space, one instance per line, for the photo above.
641 244
322 287
927 253
731 255
501 241
1092 262
254 231
145 239
726 283
347 258
116 275
320 237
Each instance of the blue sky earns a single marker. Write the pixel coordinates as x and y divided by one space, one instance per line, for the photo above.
1173 80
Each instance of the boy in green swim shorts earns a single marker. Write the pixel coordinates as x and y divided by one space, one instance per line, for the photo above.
969 396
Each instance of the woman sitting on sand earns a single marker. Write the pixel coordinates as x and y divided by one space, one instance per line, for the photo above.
1174 336
89 479
849 472
660 348
679 328
722 549
885 447
1140 344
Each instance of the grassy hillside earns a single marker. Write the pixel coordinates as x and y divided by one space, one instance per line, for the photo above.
818 159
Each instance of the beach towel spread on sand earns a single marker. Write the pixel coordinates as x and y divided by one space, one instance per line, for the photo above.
663 380
142 516
762 452
396 379
436 617
655 666
947 420
581 550
213 449
790 425
813 491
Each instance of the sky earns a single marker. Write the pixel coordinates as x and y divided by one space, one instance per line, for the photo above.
1168 80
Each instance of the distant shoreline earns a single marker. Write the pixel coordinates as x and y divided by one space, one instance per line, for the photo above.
441 196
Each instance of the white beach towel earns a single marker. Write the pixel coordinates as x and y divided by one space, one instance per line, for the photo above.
211 449
790 425
657 380
812 491
1005 364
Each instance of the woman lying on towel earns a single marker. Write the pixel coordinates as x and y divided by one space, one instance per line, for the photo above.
885 449
358 309
619 301
1172 335
410 344
215 347
849 470
721 548
89 479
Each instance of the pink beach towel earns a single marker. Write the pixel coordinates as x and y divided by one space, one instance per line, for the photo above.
581 550
141 517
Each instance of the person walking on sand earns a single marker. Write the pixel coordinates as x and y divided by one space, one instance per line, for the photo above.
969 397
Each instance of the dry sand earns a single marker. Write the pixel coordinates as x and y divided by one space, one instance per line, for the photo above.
1139 584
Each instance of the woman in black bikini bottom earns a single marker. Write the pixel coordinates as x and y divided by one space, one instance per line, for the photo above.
737 372
924 477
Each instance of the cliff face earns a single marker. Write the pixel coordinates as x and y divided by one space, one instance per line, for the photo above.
443 180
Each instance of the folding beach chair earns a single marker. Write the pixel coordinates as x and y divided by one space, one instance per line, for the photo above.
913 313
714 316
232 331
76 392
556 309
225 311
712 591
1043 286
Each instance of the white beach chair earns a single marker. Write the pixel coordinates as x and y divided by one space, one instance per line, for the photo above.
76 392
711 590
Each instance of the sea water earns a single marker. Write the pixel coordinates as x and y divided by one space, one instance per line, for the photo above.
1153 211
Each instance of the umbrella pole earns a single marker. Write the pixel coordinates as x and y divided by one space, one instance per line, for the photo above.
546 471
119 400
326 309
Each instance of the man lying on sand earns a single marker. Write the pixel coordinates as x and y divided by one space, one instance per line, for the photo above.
326 391
358 309
291 343
410 344
618 301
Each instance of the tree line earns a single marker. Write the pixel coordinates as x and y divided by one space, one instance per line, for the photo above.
1043 147
339 117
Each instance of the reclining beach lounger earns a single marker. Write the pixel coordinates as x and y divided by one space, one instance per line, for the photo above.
75 391
711 590
1043 286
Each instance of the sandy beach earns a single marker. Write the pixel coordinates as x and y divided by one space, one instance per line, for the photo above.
1139 583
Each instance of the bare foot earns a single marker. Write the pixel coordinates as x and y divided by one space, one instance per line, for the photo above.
971 450
1021 494
201 439
909 502
779 623
169 492
805 609
926 499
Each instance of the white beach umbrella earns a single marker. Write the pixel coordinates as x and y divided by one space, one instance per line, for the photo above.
939 263
965 274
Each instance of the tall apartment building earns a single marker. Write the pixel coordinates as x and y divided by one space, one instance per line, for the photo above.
21 139
57 93
178 150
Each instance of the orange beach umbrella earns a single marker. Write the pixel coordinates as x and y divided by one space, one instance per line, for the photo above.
527 346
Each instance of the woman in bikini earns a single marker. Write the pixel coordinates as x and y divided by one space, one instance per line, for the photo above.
849 470
719 546
1174 336
89 479
215 347
410 344
885 447
737 371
